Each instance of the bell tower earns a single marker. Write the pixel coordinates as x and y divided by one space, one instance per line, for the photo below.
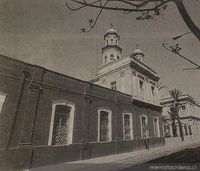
111 51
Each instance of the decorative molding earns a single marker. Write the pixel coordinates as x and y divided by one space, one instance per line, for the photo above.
35 88
88 98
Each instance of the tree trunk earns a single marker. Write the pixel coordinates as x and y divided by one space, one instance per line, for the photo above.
180 126
174 129
187 19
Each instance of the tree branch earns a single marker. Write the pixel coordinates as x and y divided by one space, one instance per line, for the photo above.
121 8
186 17
173 50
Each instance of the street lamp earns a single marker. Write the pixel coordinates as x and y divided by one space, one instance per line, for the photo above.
179 36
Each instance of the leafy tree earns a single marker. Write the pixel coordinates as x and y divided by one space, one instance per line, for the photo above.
149 9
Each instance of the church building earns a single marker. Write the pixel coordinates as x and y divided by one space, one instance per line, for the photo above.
129 75
48 117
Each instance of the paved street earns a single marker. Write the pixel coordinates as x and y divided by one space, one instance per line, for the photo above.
188 157
125 161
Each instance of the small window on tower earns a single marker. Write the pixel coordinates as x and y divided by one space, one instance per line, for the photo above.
117 57
153 90
105 59
111 41
183 107
107 42
113 85
116 42
111 57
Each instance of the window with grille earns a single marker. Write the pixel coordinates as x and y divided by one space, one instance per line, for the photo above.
61 129
156 127
2 100
144 127
128 127
104 126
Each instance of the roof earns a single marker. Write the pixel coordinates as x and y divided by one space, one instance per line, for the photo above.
111 30
183 97
138 52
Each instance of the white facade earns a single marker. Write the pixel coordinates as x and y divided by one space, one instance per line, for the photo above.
128 75
189 112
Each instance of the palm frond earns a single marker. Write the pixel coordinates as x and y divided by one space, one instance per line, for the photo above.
175 94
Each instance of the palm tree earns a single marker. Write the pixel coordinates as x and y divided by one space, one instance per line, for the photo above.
173 119
175 94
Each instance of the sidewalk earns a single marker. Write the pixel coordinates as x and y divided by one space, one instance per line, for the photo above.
118 161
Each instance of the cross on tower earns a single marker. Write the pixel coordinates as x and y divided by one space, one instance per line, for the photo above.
111 25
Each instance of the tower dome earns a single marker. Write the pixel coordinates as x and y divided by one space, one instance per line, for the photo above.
138 54
111 31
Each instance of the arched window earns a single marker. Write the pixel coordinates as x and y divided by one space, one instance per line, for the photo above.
117 57
116 42
104 125
186 130
107 42
153 90
144 126
2 100
111 57
61 127
141 88
111 41
127 126
156 127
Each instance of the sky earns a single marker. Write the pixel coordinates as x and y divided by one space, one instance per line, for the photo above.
46 33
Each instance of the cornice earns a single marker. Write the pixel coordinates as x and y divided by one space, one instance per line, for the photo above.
111 46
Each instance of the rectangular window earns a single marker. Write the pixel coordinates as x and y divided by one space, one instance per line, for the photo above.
190 130
144 126
186 131
153 90
113 85
127 126
61 128
141 89
156 127
104 126
141 83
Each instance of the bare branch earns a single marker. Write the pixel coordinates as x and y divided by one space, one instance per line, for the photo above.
175 49
136 9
